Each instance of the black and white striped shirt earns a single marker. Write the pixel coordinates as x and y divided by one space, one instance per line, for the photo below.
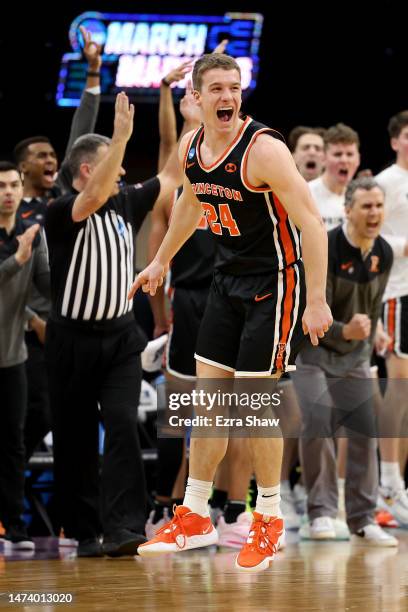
92 262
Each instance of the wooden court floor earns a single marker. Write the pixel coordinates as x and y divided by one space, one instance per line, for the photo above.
305 576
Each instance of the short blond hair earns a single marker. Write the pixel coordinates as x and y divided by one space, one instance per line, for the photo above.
341 134
208 62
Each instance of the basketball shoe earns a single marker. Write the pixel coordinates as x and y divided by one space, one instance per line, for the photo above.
264 541
373 535
186 530
383 518
396 502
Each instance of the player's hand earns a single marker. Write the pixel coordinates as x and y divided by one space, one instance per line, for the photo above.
149 279
189 108
316 320
358 328
25 243
381 342
123 122
180 72
91 50
220 48
38 325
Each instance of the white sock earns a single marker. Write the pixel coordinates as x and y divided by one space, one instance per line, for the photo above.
391 474
197 495
267 500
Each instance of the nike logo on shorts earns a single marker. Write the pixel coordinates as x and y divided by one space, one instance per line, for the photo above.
259 298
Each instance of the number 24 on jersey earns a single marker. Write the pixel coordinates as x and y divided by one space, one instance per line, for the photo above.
224 219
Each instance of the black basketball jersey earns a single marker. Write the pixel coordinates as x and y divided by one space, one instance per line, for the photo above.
193 265
252 229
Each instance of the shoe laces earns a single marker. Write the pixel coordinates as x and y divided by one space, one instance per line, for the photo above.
259 538
175 528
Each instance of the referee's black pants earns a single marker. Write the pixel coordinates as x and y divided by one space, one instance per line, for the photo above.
86 367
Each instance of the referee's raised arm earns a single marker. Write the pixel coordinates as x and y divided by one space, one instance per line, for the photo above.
99 180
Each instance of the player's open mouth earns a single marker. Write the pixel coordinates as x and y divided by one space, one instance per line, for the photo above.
343 172
225 113
49 174
311 165
373 224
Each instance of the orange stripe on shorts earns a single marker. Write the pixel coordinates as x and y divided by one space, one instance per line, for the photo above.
287 314
391 323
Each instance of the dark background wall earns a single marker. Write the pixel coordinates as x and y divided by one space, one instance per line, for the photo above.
318 67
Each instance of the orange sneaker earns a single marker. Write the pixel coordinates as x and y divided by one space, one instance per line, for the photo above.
186 530
385 519
264 541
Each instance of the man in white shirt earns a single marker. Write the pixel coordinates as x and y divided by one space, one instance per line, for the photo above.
394 182
342 158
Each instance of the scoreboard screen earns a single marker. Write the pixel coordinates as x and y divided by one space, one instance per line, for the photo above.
139 50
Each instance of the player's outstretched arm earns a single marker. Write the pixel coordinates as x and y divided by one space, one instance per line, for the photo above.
167 115
271 163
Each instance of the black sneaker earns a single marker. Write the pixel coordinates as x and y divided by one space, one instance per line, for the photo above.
123 543
17 536
91 547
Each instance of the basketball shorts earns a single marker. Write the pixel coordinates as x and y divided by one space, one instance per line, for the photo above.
395 321
188 306
253 324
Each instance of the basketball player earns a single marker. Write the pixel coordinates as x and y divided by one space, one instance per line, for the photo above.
245 180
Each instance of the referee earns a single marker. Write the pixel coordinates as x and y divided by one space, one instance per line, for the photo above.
93 345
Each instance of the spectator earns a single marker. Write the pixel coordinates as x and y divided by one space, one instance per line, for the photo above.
342 159
359 266
307 147
23 259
